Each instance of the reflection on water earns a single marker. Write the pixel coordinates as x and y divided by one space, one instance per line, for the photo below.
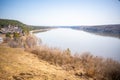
80 41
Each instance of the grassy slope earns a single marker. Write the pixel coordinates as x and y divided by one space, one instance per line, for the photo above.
16 64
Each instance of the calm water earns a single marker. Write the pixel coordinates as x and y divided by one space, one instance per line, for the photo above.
80 41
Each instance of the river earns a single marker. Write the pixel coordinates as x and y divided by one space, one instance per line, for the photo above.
79 41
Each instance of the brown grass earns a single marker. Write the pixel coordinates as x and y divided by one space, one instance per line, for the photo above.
82 65
16 64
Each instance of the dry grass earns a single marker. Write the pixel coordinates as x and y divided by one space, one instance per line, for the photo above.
84 65
16 64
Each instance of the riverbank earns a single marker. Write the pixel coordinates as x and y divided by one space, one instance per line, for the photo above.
81 41
46 63
40 30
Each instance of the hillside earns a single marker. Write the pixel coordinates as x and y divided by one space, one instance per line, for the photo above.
6 22
16 64
48 64
21 59
112 30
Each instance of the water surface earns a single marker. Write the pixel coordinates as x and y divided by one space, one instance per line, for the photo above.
80 41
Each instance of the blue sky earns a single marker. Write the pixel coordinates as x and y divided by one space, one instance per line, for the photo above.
61 12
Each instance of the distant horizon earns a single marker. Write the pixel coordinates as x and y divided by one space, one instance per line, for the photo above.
61 12
59 25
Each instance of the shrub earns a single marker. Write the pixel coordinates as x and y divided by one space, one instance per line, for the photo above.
31 41
14 43
28 41
85 64
16 36
111 69
8 37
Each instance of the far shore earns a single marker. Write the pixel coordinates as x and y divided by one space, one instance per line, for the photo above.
39 30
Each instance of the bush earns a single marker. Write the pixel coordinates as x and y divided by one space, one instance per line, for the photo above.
85 64
31 41
111 69
14 43
8 35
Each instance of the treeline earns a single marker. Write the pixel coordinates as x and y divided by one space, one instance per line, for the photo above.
100 28
105 30
6 22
